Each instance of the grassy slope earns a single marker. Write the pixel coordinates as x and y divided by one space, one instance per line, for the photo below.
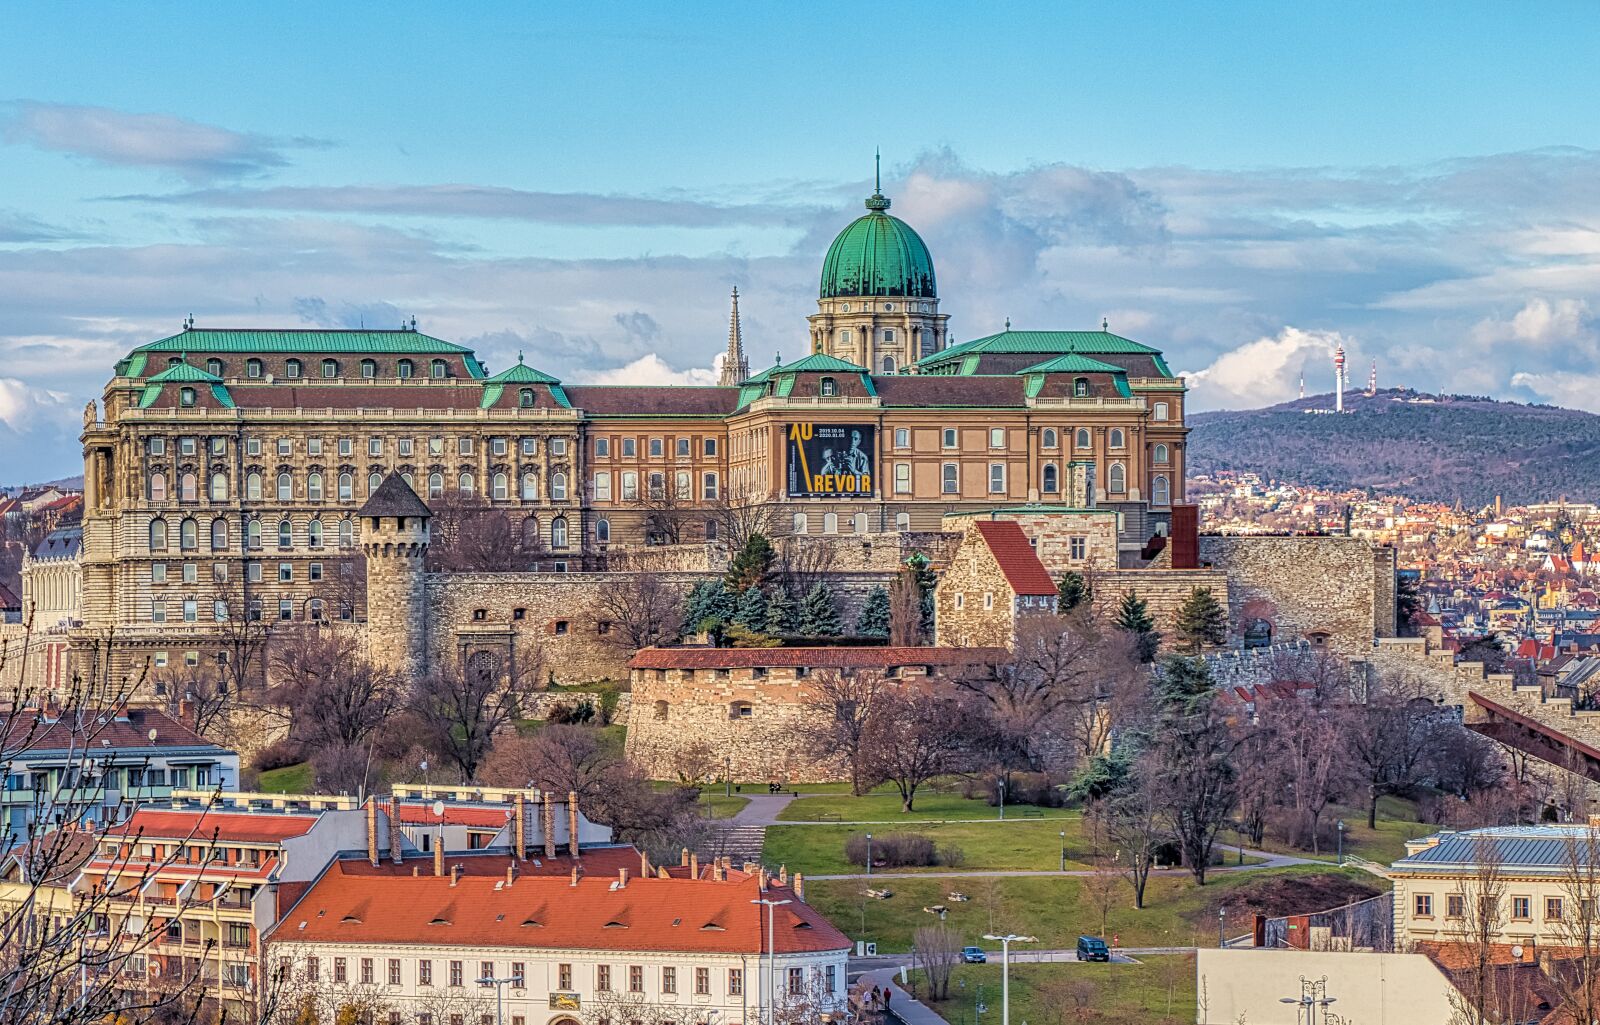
291 779
1012 844
885 807
1160 989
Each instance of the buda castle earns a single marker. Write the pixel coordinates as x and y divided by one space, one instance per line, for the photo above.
233 461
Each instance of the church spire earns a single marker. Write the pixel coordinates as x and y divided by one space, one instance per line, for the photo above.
735 368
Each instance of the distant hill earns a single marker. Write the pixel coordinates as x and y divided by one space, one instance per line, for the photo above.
1430 447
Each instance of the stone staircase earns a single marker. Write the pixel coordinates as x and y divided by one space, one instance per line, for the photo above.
741 843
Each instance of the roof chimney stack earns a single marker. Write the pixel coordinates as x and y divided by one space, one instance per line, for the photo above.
372 832
694 865
622 878
438 855
455 874
396 853
574 875
572 823
549 824
520 831
683 858
511 874
799 887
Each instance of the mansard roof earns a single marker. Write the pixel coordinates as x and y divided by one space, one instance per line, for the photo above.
249 340
394 497
966 357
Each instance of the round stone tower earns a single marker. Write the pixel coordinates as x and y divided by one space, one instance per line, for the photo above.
878 304
394 536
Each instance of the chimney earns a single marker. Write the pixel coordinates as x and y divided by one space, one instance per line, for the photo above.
520 831
572 823
396 854
416 870
574 875
185 712
683 858
511 874
372 831
719 871
455 874
1594 821
644 865
694 865
549 824
438 856
622 879
799 887
783 875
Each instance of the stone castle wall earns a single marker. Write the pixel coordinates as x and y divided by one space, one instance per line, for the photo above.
1306 585
1162 590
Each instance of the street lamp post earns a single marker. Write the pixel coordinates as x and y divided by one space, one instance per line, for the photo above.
1341 827
1001 783
772 907
499 995
1005 970
1063 850
727 775
869 854
1222 927
1313 996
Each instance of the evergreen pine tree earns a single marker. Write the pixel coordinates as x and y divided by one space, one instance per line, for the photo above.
781 612
1201 620
751 612
710 606
750 566
819 616
1181 682
926 580
1071 591
874 618
696 602
1133 615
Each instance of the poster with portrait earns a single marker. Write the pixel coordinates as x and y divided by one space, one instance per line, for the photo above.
831 460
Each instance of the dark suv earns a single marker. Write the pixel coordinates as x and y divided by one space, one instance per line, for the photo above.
1093 948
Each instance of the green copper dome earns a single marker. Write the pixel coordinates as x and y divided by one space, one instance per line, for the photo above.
878 255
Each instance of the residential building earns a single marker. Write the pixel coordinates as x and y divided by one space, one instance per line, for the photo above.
993 584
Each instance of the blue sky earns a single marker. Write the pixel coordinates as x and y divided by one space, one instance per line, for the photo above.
1244 186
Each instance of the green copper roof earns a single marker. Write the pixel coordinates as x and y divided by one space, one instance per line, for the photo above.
185 372
1073 363
819 361
521 373
248 340
878 255
1043 343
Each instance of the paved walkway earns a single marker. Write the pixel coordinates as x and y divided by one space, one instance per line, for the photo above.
762 810
901 1003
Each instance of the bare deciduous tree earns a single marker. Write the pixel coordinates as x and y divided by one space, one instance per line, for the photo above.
464 707
915 733
839 708
641 608
937 951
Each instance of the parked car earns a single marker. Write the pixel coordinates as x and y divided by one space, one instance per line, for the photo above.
974 955
1093 948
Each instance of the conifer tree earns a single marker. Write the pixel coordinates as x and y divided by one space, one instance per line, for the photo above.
749 568
1071 591
782 616
1201 620
925 580
819 616
751 612
874 618
1133 615
710 606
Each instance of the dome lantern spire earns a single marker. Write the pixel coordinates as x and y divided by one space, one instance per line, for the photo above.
877 202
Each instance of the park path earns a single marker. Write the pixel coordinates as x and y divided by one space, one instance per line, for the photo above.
1271 860
742 836
901 1004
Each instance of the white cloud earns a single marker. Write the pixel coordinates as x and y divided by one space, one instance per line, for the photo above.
1265 371
651 369
1574 390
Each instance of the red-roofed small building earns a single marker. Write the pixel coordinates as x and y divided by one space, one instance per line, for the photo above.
638 943
993 581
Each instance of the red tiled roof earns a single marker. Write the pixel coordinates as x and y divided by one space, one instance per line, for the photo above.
680 915
820 658
593 860
454 815
239 827
131 731
1017 559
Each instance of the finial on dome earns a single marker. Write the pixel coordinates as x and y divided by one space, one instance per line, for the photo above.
1105 324
877 201
519 357
1008 323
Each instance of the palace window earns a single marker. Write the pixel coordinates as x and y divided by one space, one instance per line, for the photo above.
314 534
708 487
1160 491
1118 439
630 447
188 536
602 530
525 398
1080 387
630 486
252 368
501 487
1160 454
291 368
347 487
158 487
285 487
185 396
799 525
439 369
558 487
347 534
214 367
656 449
888 364
330 368
949 437
830 523
219 487
681 487
435 485
158 535
404 369
558 532
285 534
1078 546
188 488
602 447
829 386
1048 482
314 487
1083 437
373 480
219 535
902 437
1117 478
252 534
466 484
602 486
997 437
902 478
997 478
950 482
1160 411
369 368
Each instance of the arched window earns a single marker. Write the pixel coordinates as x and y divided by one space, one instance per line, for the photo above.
799 523
330 368
435 485
465 484
558 532
409 482
158 487
711 530
219 535
1160 491
1083 437
158 535
525 398
285 534
252 368
1048 482
830 523
347 534
888 364
252 535
316 609
530 487
439 368
1049 437
501 487
1080 387
1118 439
602 531
1160 412
1160 453
902 521
285 487
1117 478
314 486
558 487
188 488
189 535
404 369
314 534
252 486
858 524
347 487
214 367
530 533
291 368
830 386
369 368
219 487
373 480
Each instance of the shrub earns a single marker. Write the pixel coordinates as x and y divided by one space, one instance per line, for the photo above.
952 856
1037 788
575 713
892 850
279 754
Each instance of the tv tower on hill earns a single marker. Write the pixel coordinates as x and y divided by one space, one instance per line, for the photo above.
1338 379
1372 379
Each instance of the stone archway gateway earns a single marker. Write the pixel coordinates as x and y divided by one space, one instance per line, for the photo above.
564 1019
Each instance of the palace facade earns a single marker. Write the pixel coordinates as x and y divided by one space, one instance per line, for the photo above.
225 467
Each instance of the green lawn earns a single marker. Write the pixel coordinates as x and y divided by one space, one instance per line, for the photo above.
1159 990
291 779
1057 909
722 807
1397 823
884 806
1012 844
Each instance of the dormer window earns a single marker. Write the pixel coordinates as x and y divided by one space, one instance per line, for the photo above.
186 396
330 368
438 369
252 368
214 367
830 387
404 369
1080 387
369 368
291 368
525 398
